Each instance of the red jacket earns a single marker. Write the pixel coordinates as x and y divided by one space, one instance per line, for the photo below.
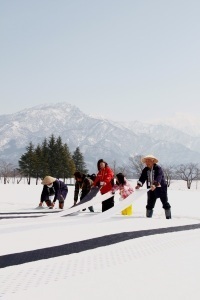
105 175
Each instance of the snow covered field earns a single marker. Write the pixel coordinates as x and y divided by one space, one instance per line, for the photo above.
123 257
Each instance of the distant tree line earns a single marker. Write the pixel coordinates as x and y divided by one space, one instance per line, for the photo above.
53 157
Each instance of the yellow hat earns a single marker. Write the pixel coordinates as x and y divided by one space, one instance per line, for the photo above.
48 180
150 156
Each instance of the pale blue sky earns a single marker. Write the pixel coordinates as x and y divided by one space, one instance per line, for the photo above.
124 59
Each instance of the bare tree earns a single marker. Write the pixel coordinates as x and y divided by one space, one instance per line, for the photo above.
16 175
114 166
188 173
119 169
123 169
6 170
169 173
136 166
198 177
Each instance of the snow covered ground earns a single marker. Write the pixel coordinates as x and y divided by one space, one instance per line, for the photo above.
123 257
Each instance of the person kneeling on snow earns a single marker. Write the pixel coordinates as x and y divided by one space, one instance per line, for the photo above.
53 189
125 189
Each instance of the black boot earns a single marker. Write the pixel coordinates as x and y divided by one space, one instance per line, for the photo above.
149 213
168 213
91 209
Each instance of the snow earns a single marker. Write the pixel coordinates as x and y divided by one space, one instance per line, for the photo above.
160 266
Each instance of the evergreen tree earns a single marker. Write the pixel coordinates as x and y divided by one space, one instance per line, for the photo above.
69 166
79 161
61 161
44 159
27 163
38 162
53 158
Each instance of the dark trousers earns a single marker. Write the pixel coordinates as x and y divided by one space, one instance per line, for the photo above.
152 196
91 209
107 204
62 197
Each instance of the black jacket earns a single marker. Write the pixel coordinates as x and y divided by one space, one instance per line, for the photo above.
58 189
154 176
84 186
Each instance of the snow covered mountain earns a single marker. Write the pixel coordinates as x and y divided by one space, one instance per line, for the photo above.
184 122
96 137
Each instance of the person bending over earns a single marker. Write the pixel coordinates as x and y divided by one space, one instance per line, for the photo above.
53 189
82 187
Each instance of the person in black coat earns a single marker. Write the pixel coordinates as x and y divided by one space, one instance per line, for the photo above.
82 187
53 189
155 181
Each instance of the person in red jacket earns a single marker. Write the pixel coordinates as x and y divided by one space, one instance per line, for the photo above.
105 179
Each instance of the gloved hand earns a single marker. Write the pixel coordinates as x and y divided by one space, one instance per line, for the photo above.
102 183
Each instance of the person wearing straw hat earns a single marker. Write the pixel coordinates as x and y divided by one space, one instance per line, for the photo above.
53 189
155 181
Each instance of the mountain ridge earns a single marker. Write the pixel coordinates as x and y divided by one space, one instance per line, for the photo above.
96 137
